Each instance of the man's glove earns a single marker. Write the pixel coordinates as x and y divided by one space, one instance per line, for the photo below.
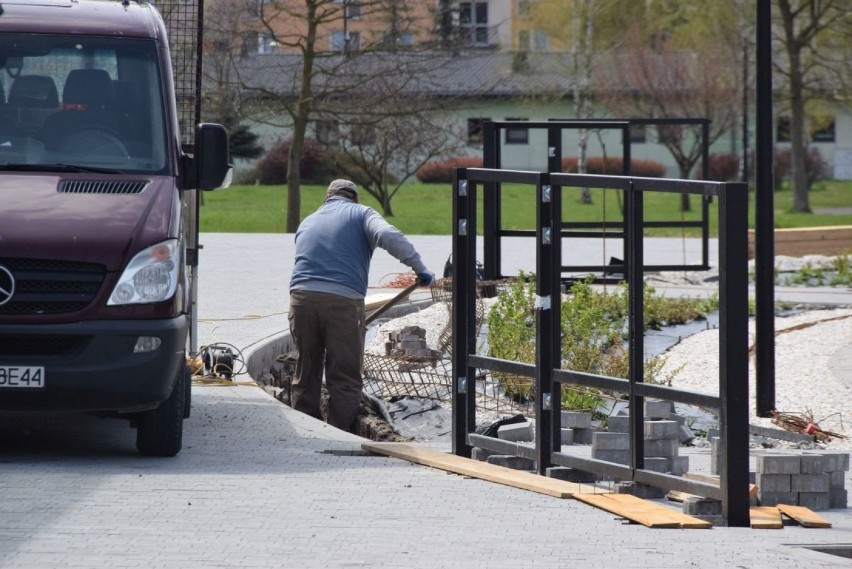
425 278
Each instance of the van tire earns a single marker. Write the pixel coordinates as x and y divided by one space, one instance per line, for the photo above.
159 432
187 393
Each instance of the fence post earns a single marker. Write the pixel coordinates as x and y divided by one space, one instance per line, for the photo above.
733 353
635 321
464 310
491 203
546 405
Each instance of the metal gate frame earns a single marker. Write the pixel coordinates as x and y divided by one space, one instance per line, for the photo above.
492 158
732 401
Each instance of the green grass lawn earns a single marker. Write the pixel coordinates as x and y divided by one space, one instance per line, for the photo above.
426 209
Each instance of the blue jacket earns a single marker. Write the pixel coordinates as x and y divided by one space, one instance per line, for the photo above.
334 246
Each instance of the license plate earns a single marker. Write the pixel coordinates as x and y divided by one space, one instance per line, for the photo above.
21 376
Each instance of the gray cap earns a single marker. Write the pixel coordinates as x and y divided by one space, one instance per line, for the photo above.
342 188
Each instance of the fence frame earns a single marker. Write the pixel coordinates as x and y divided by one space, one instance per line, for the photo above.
732 401
492 158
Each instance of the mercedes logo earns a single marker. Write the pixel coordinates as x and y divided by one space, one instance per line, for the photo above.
7 285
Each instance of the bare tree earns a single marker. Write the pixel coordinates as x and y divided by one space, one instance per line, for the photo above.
382 155
816 37
656 81
308 81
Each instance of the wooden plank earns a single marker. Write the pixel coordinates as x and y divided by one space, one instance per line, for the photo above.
765 517
478 469
800 241
714 479
625 505
805 516
642 511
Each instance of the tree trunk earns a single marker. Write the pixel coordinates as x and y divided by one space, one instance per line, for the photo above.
798 174
685 204
294 176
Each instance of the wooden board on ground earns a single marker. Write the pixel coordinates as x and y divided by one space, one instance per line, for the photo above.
479 469
630 507
800 241
805 516
714 479
765 517
649 514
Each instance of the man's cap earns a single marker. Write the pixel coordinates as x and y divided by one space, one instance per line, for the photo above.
343 188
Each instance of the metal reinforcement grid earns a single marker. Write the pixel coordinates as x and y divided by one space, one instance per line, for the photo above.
429 376
184 25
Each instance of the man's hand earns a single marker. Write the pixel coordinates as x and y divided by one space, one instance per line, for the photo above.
425 278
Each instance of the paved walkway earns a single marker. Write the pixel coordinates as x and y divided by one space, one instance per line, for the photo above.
261 486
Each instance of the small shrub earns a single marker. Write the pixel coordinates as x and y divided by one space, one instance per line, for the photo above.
614 166
723 167
816 168
441 171
314 163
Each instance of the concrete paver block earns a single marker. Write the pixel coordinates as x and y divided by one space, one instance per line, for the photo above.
809 483
697 506
618 424
571 474
583 436
775 498
658 409
779 464
837 498
513 462
662 447
774 482
662 429
576 420
517 432
610 441
815 500
567 436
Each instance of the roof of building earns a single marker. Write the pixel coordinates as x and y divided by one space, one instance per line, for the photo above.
434 74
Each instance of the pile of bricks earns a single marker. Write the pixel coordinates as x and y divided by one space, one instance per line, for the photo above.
663 433
410 344
815 480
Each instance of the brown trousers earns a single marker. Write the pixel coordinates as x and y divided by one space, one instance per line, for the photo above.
328 331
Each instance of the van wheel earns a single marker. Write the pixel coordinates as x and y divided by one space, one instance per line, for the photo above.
187 393
159 432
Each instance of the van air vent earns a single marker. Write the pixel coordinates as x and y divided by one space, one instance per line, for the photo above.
102 187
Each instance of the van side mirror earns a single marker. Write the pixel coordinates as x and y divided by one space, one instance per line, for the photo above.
213 169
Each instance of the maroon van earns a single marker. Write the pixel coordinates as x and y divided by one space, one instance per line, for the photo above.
95 293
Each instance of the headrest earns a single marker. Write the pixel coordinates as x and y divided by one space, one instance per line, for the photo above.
88 89
34 91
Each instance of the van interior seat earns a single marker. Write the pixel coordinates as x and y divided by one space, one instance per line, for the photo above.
88 103
32 98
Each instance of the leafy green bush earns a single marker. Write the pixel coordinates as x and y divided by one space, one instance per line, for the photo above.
593 329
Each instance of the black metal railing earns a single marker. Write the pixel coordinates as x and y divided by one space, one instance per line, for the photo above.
732 401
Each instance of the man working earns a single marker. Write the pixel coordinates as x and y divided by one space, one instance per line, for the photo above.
334 246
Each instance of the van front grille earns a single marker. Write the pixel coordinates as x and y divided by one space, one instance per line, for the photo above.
51 287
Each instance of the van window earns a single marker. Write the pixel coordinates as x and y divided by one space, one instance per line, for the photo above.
81 101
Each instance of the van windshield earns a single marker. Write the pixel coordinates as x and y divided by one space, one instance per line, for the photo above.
85 102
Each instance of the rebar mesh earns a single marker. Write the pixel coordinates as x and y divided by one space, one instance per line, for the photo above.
430 377
184 25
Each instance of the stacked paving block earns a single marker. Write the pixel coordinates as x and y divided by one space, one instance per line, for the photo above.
576 427
409 345
815 480
662 438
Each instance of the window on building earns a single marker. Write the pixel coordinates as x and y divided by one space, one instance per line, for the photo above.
475 130
517 134
822 129
638 133
249 45
524 39
254 9
524 10
473 23
540 40
327 132
353 10
339 43
266 44
782 129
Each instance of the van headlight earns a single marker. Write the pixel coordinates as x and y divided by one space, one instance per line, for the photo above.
151 276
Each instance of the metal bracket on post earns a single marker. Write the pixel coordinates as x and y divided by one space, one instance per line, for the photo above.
462 227
545 193
462 188
545 236
547 401
462 386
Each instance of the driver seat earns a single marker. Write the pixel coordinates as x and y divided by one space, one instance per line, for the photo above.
88 102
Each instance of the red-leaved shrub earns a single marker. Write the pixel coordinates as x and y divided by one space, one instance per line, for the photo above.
441 171
614 166
313 164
